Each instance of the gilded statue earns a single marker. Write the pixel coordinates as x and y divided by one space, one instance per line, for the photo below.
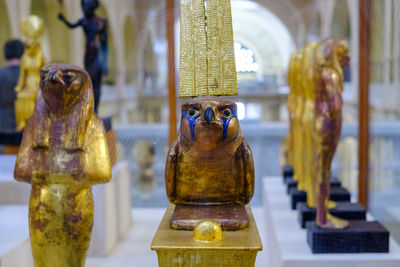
31 62
63 153
295 106
331 55
209 170
307 123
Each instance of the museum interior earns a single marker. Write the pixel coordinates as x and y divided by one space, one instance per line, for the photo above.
180 133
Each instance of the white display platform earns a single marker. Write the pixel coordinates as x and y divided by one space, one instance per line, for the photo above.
11 192
15 250
112 211
286 242
391 220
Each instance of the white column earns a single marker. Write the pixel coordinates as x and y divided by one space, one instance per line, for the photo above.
326 10
116 18
396 52
76 37
354 46
387 34
17 10
13 16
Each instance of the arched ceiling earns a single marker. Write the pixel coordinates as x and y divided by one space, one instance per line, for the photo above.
263 32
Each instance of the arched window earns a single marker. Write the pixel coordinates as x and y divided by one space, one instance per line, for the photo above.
245 59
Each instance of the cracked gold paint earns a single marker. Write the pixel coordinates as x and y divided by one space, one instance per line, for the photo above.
63 153
207 58
31 62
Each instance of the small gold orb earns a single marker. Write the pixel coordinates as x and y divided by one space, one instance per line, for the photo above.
207 230
32 26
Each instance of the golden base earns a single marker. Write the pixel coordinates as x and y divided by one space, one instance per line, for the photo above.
178 248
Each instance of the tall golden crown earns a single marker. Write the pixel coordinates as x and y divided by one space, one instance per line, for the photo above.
207 59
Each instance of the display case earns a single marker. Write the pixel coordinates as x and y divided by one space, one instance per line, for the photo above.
140 59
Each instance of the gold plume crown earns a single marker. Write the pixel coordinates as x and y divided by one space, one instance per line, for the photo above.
207 58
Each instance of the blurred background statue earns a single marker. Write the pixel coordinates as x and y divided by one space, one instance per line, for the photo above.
143 154
307 158
331 55
96 53
295 106
9 75
32 60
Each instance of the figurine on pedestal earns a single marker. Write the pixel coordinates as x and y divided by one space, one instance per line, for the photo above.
307 122
331 55
96 54
63 153
32 60
295 106
209 173
210 170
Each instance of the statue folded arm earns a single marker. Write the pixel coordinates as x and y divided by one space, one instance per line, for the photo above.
97 164
170 171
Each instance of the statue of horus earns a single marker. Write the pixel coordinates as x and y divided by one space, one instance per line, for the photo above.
63 153
331 55
31 62
209 171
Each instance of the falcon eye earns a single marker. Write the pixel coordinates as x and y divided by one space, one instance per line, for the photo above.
191 112
68 76
226 113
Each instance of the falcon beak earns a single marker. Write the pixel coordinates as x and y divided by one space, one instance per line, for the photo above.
209 115
53 76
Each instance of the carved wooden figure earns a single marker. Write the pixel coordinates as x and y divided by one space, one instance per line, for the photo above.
63 153
331 55
209 170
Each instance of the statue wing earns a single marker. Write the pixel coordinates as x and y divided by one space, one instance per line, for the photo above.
170 170
248 170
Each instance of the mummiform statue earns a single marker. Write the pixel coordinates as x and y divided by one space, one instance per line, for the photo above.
331 55
295 107
31 62
63 153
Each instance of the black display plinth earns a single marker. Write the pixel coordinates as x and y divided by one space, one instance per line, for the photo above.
359 237
10 138
107 122
287 172
344 210
336 194
291 183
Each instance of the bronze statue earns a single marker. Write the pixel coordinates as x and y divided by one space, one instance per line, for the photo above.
209 171
96 54
31 62
63 153
331 55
